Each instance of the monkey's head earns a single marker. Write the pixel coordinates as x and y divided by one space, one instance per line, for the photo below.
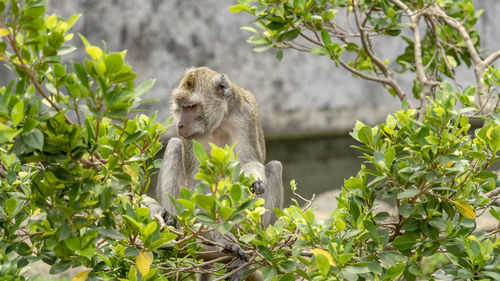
200 102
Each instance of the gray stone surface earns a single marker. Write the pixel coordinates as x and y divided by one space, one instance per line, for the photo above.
302 94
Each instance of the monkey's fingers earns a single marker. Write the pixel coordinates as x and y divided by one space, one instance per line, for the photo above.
257 187
169 220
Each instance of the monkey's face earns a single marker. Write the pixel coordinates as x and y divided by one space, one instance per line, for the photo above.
200 103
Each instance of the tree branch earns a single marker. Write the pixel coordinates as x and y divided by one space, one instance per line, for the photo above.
417 50
31 75
479 64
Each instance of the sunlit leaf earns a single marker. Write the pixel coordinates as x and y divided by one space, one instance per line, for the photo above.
81 276
94 52
465 209
4 32
143 262
325 253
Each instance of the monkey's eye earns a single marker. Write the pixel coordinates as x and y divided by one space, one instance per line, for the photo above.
190 106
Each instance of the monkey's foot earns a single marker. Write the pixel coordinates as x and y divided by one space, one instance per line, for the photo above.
257 187
235 250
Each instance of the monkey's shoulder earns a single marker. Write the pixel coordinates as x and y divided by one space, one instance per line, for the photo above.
247 101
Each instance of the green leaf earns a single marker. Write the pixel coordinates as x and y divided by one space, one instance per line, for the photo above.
268 273
309 216
406 210
246 205
132 274
124 77
150 228
81 74
94 52
186 204
391 257
320 51
404 242
279 55
236 192
34 139
390 154
238 8
323 264
72 20
365 135
114 63
247 238
73 243
133 221
299 4
17 113
199 152
10 205
353 183
289 35
325 37
111 233
7 133
225 212
144 87
135 137
288 265
408 193
35 11
395 271
205 202
223 227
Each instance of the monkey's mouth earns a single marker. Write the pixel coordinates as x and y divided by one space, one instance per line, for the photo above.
187 135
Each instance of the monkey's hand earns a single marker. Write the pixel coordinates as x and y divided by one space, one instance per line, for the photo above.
169 219
257 187
164 218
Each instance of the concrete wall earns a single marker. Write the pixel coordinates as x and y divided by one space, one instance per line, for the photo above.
301 94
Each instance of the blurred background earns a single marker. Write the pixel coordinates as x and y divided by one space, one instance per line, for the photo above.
307 105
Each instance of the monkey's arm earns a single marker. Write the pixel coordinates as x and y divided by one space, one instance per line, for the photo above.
170 179
274 192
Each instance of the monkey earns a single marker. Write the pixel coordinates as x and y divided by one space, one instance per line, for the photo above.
210 108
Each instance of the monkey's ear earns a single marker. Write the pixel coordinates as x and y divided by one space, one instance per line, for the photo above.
222 87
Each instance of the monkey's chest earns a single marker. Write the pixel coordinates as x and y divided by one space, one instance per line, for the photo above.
227 133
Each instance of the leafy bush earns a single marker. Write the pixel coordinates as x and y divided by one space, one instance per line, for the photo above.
74 166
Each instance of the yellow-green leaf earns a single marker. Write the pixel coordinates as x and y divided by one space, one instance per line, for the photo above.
131 172
324 253
144 261
465 209
452 62
4 32
94 52
81 276
51 21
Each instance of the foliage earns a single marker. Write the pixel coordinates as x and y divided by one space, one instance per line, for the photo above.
74 167
425 159
74 164
353 33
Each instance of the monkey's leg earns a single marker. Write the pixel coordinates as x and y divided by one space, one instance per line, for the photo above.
274 190
171 177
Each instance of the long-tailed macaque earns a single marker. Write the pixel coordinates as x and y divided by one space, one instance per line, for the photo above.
209 108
